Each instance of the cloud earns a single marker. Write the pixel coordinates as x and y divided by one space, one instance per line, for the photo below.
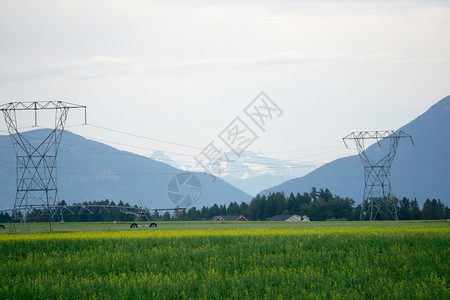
100 62
99 66
96 66
276 58
280 58
423 60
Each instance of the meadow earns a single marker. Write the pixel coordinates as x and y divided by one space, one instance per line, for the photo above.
254 260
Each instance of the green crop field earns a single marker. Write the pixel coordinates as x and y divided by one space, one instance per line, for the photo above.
341 260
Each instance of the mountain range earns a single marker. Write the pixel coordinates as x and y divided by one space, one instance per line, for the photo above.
418 171
249 171
89 170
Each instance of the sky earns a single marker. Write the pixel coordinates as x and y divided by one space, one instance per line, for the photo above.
181 72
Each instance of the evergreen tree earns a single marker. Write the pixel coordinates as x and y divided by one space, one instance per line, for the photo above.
415 213
244 209
233 209
404 209
433 210
166 216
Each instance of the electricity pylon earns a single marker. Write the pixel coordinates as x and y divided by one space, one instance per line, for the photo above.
35 161
378 202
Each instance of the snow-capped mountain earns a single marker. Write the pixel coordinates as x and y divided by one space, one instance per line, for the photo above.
249 171
164 158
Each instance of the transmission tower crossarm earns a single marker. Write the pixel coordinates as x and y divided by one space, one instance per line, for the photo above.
38 105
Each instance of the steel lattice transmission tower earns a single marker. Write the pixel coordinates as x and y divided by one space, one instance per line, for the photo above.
378 202
36 161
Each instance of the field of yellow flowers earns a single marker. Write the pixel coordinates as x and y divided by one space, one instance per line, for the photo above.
398 262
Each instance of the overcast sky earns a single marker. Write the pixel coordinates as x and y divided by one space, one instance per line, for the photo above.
182 71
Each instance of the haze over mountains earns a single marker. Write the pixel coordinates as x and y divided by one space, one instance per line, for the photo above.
421 171
89 170
250 171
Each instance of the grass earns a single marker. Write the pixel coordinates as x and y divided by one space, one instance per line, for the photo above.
207 225
181 260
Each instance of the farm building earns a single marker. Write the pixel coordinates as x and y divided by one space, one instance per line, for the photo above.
289 218
229 218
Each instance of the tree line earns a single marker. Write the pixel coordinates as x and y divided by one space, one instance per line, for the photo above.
318 205
87 211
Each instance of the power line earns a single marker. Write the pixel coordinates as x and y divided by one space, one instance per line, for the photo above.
303 150
193 147
281 163
147 138
273 165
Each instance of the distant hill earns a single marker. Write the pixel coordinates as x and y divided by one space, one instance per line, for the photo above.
89 170
421 171
251 172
